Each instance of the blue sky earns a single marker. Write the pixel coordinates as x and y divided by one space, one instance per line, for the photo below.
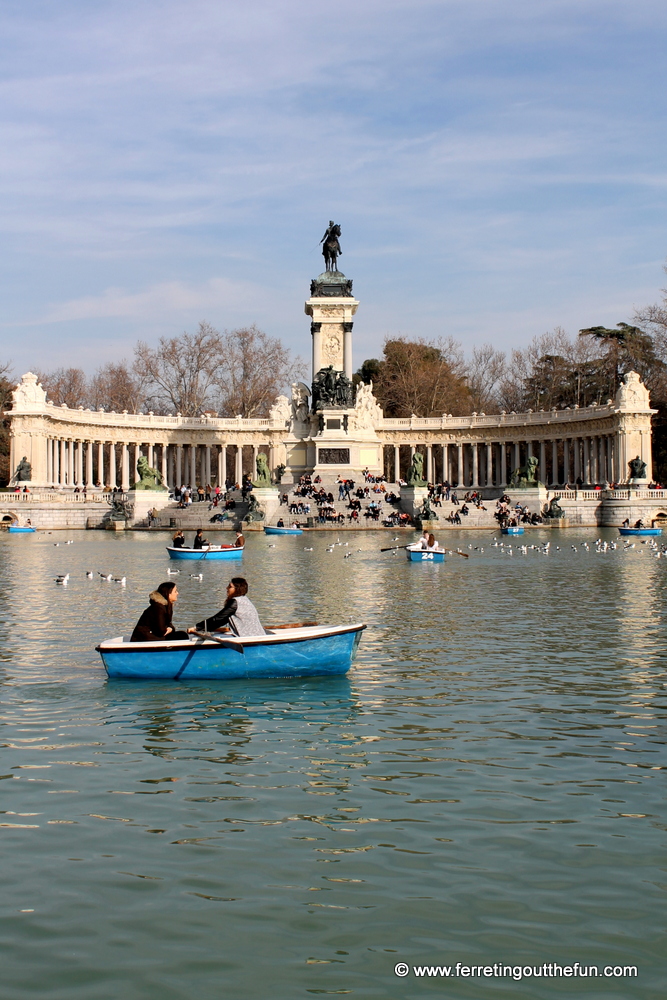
497 168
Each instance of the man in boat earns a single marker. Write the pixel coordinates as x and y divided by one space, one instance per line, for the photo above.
639 523
199 540
281 523
155 624
238 613
240 540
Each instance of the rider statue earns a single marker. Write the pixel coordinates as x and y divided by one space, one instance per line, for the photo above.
331 247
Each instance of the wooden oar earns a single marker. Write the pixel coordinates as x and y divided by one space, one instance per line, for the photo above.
227 643
293 625
452 552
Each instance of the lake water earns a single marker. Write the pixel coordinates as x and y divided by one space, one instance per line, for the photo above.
485 786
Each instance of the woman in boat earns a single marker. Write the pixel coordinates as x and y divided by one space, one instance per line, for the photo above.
431 544
178 541
155 623
238 612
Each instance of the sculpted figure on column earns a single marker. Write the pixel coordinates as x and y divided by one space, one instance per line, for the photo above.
150 479
23 472
331 247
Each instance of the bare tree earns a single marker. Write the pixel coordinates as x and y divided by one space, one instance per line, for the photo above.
422 377
180 373
252 370
485 371
6 386
65 385
115 387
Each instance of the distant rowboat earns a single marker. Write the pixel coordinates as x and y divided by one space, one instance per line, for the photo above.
18 529
208 552
640 531
511 531
282 531
306 651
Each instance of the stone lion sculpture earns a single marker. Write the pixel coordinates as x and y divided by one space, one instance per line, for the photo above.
416 473
263 473
526 475
149 479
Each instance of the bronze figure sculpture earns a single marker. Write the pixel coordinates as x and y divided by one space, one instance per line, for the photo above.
331 250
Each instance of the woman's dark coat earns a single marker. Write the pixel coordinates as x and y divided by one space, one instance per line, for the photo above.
156 619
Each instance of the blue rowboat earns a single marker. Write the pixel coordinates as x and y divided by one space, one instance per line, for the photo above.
511 531
282 531
17 529
308 651
417 554
209 552
640 531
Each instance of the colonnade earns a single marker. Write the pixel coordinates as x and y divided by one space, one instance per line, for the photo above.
77 462
589 459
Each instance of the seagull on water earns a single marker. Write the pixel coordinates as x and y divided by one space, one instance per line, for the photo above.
196 576
106 576
122 580
173 572
62 579
89 574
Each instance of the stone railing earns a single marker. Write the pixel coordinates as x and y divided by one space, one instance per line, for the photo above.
52 496
496 420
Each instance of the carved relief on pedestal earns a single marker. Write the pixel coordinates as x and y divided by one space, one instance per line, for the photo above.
332 345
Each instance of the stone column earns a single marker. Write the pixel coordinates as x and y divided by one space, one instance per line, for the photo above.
543 461
179 465
347 349
202 466
566 461
429 464
239 464
255 453
208 465
79 463
70 463
577 457
100 463
49 461
222 467
459 465
112 465
445 463
503 464
397 462
529 450
89 465
124 467
554 463
586 472
489 464
164 464
475 463
517 455
170 467
150 456
193 465
136 451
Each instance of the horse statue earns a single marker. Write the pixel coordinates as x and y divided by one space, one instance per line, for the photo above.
149 479
331 250
263 474
416 473
526 475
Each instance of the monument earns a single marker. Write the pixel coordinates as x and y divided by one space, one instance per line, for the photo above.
332 428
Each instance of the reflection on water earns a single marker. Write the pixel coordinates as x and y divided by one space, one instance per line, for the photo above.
482 787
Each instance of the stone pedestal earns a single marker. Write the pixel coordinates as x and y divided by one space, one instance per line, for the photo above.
412 498
143 501
534 497
268 498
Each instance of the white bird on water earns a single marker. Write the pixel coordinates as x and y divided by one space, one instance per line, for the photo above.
196 576
122 580
63 579
306 549
173 572
89 574
106 576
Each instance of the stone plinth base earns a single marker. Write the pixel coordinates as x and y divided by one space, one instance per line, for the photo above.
268 498
143 501
412 498
534 497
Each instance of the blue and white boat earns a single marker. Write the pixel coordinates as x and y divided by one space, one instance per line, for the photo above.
416 553
208 552
19 529
272 530
512 531
640 531
302 651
